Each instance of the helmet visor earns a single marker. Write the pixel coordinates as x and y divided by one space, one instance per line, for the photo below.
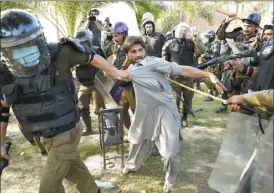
29 58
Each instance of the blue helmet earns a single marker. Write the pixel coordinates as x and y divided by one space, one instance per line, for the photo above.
211 33
120 27
253 17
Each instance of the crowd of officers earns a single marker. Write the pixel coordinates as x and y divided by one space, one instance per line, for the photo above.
193 48
182 44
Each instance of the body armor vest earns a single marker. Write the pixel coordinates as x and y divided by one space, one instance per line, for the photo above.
42 107
120 57
86 74
154 44
107 48
182 52
265 75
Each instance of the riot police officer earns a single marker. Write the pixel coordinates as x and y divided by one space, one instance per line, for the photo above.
195 33
263 74
169 36
86 75
226 76
213 47
127 100
240 39
109 44
154 40
181 50
43 95
246 34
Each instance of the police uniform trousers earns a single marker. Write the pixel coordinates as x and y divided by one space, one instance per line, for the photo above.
85 93
168 143
64 162
187 94
127 101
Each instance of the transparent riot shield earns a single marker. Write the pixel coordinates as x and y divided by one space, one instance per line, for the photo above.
238 146
263 182
104 82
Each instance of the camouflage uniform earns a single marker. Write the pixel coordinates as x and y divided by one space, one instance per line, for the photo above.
212 51
242 43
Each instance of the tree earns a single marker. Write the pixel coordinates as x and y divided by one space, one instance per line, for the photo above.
187 11
153 7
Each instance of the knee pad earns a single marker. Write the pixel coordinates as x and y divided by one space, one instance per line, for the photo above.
4 118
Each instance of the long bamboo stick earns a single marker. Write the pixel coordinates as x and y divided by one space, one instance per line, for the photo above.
198 91
225 13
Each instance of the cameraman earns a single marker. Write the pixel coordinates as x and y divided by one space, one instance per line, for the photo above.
95 26
107 24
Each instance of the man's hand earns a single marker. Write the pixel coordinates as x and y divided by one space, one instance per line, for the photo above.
231 42
123 75
230 18
219 86
234 101
234 64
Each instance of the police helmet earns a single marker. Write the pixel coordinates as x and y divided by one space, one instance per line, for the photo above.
120 27
84 37
194 30
23 43
254 18
181 30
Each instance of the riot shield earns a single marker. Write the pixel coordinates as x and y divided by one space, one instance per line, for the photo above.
263 182
237 148
104 83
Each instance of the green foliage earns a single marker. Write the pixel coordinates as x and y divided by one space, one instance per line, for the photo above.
156 8
187 11
15 5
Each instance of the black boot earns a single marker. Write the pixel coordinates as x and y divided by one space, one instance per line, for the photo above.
184 121
208 99
87 121
222 109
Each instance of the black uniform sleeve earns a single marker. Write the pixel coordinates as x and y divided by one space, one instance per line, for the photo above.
70 57
222 34
165 51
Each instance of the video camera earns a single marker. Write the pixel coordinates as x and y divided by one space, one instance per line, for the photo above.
92 14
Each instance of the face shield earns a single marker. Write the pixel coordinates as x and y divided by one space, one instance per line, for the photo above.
194 31
23 43
84 37
27 59
182 31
